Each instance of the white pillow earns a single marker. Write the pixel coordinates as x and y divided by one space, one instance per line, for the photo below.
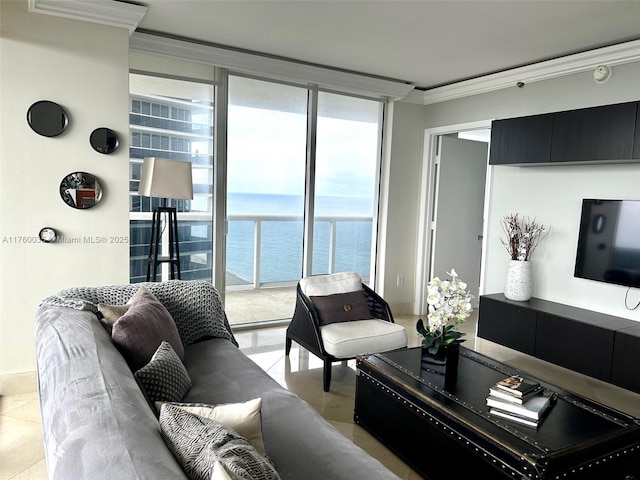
221 473
341 282
244 418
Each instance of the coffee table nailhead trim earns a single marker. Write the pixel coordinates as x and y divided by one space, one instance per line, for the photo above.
504 425
511 472
412 406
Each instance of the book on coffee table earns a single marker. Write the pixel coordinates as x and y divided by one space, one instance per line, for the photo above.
515 418
517 385
533 409
510 397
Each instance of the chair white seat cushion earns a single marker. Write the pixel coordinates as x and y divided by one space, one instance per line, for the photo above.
348 339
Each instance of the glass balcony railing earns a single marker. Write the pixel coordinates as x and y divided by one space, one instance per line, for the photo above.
267 248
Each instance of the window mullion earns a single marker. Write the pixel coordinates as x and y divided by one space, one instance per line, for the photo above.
310 181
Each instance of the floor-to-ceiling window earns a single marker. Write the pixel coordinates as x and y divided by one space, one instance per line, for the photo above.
172 119
285 143
285 185
346 183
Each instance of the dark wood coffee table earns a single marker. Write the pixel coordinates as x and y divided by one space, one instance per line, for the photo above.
449 434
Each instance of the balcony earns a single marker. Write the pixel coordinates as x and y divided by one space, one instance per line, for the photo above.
257 290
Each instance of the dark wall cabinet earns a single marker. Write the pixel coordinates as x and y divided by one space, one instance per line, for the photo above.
601 346
610 133
636 140
521 140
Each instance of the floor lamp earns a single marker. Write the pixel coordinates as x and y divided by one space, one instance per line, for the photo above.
165 179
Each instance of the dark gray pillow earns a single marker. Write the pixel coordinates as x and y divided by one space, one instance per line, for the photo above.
164 378
198 443
341 307
140 331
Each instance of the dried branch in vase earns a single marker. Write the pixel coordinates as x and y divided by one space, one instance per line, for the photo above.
523 236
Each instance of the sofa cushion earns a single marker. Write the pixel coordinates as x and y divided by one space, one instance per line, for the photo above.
245 418
348 339
198 443
341 307
140 331
164 378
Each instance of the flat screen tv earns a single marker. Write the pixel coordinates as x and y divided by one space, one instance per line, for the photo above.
609 242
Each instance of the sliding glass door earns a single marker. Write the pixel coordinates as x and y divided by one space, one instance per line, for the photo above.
296 170
266 151
346 183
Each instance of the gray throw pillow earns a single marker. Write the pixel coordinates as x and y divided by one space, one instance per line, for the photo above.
198 443
141 330
164 378
341 307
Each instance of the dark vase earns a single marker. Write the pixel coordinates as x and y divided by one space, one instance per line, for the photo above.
443 363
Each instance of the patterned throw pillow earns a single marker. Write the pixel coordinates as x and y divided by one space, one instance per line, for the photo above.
164 378
140 331
341 307
198 443
245 418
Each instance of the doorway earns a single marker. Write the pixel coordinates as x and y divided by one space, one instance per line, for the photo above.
453 203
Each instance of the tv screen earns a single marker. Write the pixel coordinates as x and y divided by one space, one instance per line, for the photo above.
609 242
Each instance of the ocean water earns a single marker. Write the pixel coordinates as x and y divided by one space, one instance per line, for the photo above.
281 240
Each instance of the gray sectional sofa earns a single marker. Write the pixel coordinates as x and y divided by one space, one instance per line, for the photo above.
97 423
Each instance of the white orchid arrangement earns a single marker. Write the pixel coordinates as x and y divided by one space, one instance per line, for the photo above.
523 236
449 305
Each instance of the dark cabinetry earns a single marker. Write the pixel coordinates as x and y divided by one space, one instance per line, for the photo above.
609 133
498 325
592 134
521 140
636 139
574 344
598 345
624 371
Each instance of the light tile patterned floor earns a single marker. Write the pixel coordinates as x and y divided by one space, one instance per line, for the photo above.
21 450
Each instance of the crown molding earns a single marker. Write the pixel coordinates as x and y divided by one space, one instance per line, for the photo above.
104 12
269 67
619 54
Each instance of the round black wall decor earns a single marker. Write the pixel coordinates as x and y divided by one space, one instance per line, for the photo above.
104 140
47 118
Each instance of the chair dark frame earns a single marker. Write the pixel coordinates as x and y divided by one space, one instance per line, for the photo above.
305 328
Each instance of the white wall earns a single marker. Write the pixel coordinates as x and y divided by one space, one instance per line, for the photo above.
551 194
83 67
398 233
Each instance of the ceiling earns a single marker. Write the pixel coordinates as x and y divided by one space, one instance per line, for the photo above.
425 43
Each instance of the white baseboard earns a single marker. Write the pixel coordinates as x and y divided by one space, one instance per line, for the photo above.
18 383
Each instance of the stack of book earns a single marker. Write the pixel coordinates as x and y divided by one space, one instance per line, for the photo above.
519 400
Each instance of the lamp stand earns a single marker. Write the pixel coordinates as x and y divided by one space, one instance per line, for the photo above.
155 243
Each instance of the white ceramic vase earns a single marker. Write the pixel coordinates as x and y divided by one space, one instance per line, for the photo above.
519 286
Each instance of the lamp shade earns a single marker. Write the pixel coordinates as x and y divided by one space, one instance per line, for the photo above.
166 178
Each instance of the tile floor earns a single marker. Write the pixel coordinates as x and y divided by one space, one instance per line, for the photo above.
22 455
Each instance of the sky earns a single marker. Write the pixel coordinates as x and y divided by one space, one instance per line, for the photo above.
267 150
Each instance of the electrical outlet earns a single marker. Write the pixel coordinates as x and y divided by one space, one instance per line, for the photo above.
400 281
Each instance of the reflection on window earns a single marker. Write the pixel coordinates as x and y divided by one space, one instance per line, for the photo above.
172 119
